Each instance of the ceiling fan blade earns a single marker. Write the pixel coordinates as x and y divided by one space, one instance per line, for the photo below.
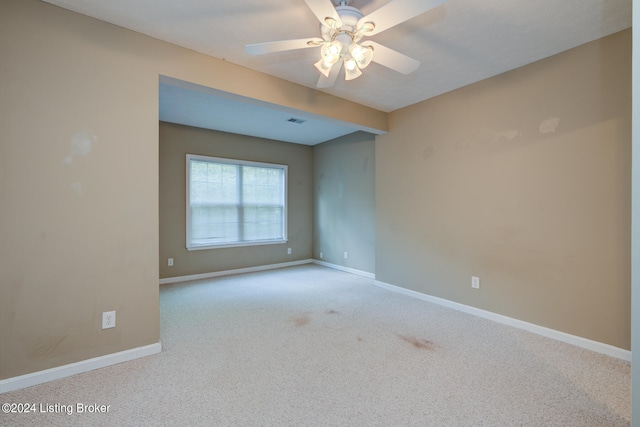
282 45
325 82
396 12
392 59
324 9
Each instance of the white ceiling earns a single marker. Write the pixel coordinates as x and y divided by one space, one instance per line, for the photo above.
458 43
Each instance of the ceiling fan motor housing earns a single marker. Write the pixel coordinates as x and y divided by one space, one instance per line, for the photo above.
349 17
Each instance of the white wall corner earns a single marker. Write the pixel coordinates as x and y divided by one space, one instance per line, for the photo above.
345 269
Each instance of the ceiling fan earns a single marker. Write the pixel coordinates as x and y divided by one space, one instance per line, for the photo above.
342 29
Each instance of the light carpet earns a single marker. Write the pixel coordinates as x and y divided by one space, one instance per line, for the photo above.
309 345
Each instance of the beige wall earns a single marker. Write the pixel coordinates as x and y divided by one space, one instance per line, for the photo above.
79 177
522 180
344 196
175 142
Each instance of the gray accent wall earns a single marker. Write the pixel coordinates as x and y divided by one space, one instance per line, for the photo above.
344 196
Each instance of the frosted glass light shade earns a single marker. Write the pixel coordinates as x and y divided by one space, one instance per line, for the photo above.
330 52
351 70
361 54
323 67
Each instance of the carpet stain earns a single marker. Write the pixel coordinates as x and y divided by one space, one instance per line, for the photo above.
331 312
417 342
359 339
301 320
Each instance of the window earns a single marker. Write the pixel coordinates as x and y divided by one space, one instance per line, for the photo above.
235 203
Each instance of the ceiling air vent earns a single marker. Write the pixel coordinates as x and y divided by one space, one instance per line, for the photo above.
294 120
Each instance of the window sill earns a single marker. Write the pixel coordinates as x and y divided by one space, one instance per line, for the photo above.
235 245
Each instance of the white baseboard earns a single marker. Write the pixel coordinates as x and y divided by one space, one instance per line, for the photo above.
595 346
346 269
64 371
188 278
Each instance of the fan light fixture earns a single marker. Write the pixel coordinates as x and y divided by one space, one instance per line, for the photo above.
341 43
361 54
342 27
331 52
323 67
355 58
351 69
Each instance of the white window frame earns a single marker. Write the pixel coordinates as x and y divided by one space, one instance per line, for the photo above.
234 162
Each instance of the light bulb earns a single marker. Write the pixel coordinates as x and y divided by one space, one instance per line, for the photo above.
351 70
362 54
323 67
330 52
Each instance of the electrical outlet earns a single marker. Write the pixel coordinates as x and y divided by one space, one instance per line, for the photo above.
108 319
475 282
346 255
170 262
289 251
320 255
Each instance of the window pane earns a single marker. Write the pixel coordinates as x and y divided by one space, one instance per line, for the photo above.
263 185
212 224
235 202
263 222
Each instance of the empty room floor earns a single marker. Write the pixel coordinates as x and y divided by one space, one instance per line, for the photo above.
309 345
